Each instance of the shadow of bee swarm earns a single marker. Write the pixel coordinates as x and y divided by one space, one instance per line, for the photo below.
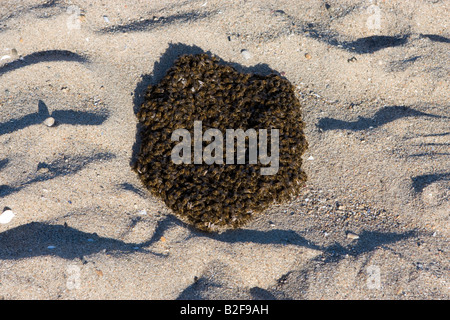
214 196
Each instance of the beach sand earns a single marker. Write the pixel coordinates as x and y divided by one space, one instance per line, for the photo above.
371 223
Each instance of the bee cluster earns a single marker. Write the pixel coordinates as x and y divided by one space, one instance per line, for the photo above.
210 196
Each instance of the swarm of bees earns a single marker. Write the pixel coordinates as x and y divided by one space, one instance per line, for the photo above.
215 196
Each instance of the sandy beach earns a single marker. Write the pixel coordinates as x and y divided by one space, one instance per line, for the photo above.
372 222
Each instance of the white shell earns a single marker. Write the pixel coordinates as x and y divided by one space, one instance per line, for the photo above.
49 122
246 54
6 216
352 236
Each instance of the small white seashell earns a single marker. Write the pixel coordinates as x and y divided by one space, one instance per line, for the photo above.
352 236
311 158
6 216
106 19
49 122
246 54
5 57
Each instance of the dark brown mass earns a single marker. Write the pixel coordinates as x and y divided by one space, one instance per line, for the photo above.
199 88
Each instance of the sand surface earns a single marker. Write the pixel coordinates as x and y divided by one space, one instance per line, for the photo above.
371 223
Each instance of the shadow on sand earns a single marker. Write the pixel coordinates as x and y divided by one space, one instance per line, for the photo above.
43 56
380 118
61 117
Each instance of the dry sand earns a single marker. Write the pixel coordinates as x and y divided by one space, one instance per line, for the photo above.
372 222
